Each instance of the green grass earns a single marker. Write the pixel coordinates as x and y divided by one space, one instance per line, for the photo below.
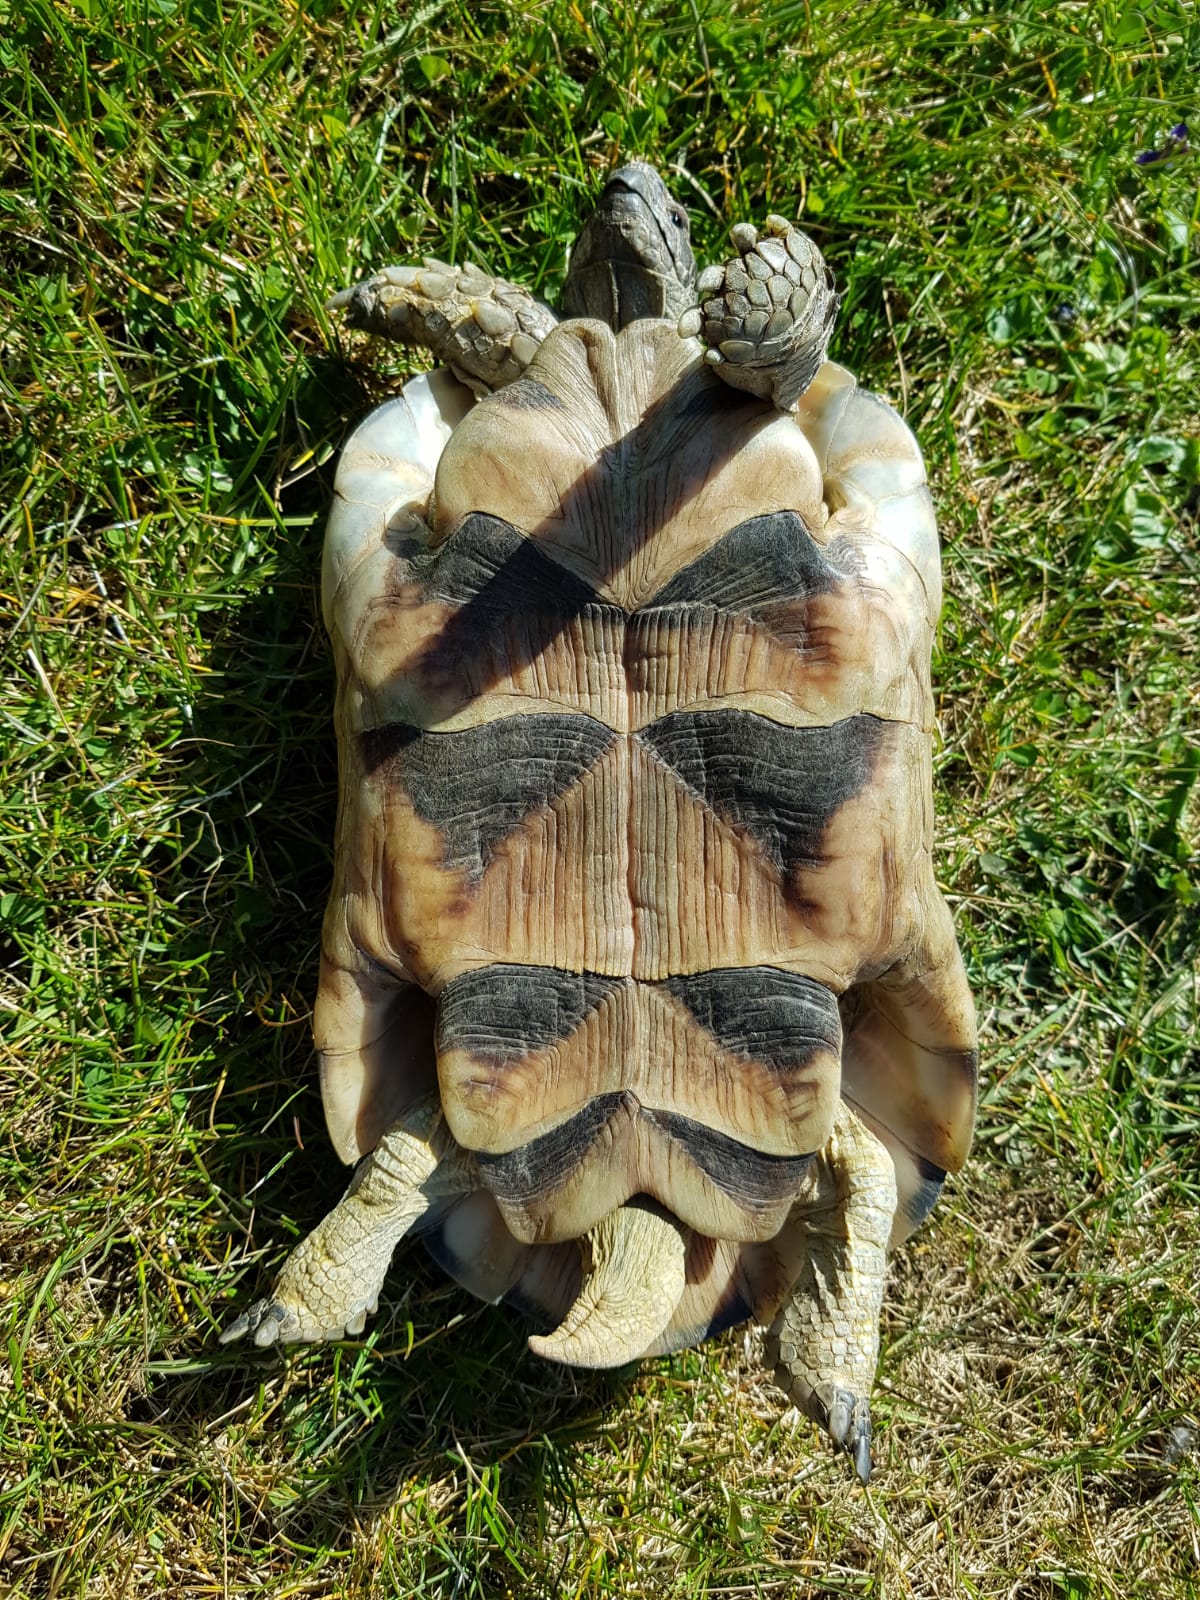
183 186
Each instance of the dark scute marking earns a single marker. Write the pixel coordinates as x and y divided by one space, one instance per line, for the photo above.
537 1169
782 785
503 1012
923 1200
526 394
491 566
732 1310
746 1175
511 604
378 746
478 784
762 1013
759 563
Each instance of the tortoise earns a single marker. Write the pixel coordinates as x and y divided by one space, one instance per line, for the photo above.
638 996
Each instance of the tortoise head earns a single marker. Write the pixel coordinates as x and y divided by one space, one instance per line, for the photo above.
634 257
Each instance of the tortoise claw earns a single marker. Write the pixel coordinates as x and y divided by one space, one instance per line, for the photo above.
841 1410
486 330
850 1427
274 1321
846 1417
862 1455
267 1321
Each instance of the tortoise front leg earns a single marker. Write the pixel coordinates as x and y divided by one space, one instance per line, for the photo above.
768 313
484 329
824 1342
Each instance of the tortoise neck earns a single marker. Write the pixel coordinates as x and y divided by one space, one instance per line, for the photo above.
633 258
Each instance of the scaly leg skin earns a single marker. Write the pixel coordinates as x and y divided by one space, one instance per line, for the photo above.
767 314
332 1279
824 1343
485 330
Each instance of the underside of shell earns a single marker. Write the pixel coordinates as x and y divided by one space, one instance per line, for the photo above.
634 854
633 880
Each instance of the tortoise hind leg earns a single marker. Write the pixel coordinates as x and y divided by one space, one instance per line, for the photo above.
824 1341
332 1279
484 329
908 1082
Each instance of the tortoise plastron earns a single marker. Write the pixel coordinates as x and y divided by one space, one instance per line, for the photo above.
638 994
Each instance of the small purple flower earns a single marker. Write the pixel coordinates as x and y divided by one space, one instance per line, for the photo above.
1176 145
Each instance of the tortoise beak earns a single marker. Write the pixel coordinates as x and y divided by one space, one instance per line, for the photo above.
634 1276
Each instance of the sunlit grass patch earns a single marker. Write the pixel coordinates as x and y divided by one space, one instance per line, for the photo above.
185 184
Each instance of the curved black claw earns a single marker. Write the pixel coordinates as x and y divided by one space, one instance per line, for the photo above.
862 1457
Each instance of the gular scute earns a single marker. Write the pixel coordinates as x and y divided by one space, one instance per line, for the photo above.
650 460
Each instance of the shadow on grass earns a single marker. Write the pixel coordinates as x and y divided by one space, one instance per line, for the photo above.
348 1432
446 1386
